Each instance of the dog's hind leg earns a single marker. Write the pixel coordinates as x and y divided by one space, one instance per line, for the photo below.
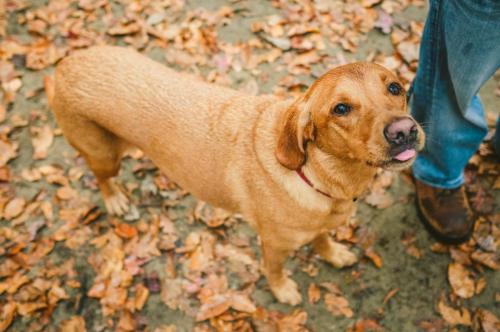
103 151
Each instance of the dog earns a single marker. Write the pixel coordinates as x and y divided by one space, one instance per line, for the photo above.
293 168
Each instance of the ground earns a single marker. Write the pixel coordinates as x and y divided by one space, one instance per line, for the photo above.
175 264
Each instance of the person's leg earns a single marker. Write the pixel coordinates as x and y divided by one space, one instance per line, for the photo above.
460 50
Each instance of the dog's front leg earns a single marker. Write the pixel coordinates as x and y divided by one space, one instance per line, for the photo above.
274 254
334 253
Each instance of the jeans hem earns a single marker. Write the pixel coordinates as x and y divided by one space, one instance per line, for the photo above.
448 184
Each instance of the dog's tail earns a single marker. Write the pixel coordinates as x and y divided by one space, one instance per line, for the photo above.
49 84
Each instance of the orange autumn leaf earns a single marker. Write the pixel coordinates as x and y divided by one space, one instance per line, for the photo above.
66 193
454 316
42 140
14 208
215 306
313 293
141 296
125 230
374 257
460 280
7 314
338 305
73 324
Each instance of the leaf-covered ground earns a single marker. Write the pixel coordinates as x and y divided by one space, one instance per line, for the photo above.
176 264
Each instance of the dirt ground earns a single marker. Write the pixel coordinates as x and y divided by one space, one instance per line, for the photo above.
417 278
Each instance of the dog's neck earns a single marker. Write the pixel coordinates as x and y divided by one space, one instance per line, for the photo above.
341 178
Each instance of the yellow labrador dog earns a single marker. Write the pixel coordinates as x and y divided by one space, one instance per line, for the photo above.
292 168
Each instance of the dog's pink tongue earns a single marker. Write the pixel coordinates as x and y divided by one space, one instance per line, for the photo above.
405 155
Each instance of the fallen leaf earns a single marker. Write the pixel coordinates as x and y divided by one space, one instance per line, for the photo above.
42 139
73 324
460 280
14 208
364 325
338 305
215 306
8 151
485 321
7 314
454 316
166 328
313 293
141 296
126 322
489 259
480 285
66 193
3 113
295 322
432 325
125 231
379 199
390 295
374 257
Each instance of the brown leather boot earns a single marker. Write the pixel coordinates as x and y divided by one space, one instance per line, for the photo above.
445 213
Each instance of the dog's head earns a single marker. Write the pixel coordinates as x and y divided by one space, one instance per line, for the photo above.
356 111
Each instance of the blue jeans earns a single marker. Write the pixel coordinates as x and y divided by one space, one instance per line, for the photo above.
460 50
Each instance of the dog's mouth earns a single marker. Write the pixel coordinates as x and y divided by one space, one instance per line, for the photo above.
397 158
403 154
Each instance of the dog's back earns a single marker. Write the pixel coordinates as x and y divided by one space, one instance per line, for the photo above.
183 124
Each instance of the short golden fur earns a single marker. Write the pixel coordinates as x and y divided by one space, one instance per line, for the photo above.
235 151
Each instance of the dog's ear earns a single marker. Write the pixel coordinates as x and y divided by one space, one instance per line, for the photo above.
296 129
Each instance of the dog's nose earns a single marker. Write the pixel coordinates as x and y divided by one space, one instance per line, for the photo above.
401 131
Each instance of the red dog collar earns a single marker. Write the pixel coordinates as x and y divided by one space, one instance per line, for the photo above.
306 180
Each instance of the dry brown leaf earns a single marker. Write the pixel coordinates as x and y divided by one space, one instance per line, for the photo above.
66 193
124 29
480 285
338 305
390 295
313 293
56 294
379 199
295 322
215 306
489 259
485 321
241 302
8 151
7 314
74 324
460 280
166 328
374 257
454 316
26 309
141 296
125 231
43 54
14 208
126 322
3 113
42 139
365 325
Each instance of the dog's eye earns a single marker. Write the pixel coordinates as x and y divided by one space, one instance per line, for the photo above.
341 109
395 89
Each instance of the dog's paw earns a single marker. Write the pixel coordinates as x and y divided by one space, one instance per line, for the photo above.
287 292
340 256
117 204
